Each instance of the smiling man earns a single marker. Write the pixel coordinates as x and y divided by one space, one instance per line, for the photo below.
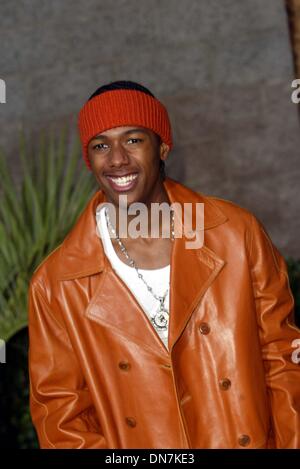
140 342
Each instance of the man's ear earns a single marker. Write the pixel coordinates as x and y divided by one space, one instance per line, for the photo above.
164 151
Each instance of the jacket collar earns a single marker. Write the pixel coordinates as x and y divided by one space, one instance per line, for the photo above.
82 253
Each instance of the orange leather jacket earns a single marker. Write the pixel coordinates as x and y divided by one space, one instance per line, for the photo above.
101 377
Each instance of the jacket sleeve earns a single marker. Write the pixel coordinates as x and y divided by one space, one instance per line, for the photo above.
278 336
60 403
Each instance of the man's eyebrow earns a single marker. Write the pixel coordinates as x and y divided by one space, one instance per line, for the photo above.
136 130
124 133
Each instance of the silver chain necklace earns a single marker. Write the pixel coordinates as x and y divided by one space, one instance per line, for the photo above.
160 320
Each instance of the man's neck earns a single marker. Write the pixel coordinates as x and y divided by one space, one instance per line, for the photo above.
155 224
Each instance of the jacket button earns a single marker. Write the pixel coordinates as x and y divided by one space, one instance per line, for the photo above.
204 328
166 365
131 422
225 384
125 366
244 440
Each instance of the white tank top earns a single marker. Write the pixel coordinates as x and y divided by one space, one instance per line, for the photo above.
158 279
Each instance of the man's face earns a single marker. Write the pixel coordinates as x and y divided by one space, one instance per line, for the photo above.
126 160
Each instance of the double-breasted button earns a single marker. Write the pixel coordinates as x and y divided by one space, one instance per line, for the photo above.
166 365
125 366
131 422
244 440
204 328
224 384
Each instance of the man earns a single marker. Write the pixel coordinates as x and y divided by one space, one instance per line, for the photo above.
140 342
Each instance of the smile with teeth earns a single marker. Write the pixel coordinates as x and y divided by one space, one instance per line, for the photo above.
124 180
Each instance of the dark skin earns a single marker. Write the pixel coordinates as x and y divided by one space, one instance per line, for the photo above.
125 150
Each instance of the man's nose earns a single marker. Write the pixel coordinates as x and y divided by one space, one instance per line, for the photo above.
118 155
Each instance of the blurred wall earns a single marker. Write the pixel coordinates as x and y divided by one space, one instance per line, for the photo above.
223 68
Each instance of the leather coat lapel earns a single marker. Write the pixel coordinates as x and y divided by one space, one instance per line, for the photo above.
115 306
192 272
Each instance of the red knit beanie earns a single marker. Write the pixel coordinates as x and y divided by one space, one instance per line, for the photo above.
122 107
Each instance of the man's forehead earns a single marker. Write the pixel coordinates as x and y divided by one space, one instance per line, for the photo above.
122 130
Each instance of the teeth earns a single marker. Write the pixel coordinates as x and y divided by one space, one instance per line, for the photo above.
124 180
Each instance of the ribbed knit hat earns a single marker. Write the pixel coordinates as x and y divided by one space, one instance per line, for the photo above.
122 104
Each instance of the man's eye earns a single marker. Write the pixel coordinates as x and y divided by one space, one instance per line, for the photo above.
99 146
135 140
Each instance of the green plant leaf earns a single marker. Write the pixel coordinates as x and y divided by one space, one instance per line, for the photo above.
36 215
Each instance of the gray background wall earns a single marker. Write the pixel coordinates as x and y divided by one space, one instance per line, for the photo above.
223 68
